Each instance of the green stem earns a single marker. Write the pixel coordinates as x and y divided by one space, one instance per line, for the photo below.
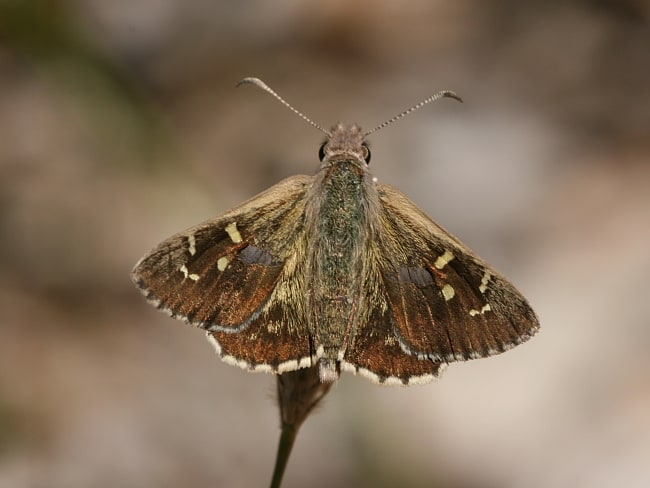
287 438
298 393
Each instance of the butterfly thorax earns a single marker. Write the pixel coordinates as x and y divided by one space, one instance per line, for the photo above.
341 225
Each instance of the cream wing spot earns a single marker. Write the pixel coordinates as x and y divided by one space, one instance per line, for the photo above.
448 292
233 232
484 281
443 260
485 308
222 263
186 273
191 244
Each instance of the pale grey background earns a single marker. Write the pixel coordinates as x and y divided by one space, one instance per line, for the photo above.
120 125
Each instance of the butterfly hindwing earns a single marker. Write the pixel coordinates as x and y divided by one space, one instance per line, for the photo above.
268 343
446 303
377 354
221 275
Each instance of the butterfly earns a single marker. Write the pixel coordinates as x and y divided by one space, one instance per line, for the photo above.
337 271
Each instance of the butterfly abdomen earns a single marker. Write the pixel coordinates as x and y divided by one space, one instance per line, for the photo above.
340 232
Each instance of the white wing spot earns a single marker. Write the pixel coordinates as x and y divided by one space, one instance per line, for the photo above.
443 260
484 281
222 263
234 234
186 273
191 241
448 292
485 308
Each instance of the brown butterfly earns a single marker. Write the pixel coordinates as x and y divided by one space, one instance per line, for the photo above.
338 271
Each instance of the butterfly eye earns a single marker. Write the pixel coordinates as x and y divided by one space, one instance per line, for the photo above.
366 152
321 151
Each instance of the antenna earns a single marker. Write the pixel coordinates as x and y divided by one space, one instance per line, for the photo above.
260 84
432 98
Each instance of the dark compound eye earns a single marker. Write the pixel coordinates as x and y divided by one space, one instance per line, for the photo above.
366 152
321 151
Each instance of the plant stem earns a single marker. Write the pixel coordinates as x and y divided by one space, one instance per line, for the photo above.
298 393
287 438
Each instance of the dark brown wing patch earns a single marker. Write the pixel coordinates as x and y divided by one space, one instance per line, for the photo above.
377 354
268 343
447 304
450 319
221 274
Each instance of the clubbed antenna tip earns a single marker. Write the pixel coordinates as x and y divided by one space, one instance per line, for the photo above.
432 98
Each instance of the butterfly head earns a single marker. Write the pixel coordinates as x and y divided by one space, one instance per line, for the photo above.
345 142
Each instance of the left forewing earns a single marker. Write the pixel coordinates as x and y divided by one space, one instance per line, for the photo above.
220 274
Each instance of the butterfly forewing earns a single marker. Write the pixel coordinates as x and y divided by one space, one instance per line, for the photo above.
447 304
221 275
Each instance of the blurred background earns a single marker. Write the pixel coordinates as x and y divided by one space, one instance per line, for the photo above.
120 125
